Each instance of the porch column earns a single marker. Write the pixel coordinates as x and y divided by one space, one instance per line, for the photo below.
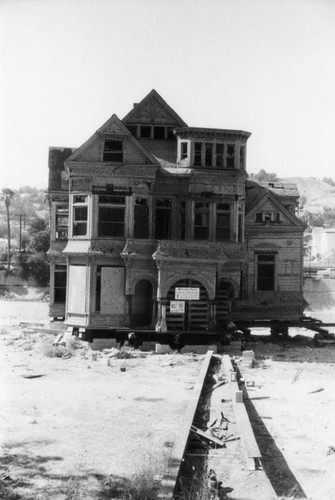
212 318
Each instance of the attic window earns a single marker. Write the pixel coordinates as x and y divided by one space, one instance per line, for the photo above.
132 129
159 132
145 132
269 217
113 150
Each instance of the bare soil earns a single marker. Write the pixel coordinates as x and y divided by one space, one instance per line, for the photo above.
70 425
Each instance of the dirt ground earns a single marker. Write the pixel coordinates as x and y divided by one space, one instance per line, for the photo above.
70 424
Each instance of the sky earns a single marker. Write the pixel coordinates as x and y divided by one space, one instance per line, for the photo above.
265 66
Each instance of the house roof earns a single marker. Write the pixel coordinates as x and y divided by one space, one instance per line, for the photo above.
154 95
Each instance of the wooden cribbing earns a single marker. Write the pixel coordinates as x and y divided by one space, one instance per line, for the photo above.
249 443
177 453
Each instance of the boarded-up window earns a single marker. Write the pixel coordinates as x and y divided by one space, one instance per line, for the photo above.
110 290
77 289
266 272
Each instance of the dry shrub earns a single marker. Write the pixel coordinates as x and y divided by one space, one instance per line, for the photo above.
124 354
141 486
55 351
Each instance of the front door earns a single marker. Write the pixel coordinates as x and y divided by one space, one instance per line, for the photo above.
196 312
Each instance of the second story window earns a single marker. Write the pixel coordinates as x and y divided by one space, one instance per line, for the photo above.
201 220
141 218
219 154
113 150
208 154
79 225
230 156
163 208
197 153
184 150
111 216
182 215
223 229
62 222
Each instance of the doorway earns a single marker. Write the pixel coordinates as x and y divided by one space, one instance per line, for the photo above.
141 305
196 312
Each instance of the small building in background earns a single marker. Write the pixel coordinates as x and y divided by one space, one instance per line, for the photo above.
154 225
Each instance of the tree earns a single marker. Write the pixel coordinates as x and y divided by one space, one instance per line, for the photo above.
6 195
264 176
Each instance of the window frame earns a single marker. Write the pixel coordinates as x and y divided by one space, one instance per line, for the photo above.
115 155
58 287
109 205
266 264
76 206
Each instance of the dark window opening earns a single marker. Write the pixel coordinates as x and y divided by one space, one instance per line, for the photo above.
265 272
132 129
223 217
240 225
145 132
197 153
208 154
113 150
201 221
111 216
79 198
159 132
163 219
141 218
141 305
219 155
79 221
98 290
62 223
184 150
230 156
170 134
182 214
242 157
60 284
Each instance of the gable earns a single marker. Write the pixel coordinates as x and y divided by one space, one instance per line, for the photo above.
270 212
113 134
153 110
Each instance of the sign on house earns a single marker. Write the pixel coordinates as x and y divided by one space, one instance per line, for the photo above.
177 307
187 293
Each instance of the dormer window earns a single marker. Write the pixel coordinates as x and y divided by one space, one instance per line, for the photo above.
113 150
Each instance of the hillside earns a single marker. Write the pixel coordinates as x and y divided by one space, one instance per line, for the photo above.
318 194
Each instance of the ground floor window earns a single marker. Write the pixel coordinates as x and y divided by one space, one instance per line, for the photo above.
60 284
266 272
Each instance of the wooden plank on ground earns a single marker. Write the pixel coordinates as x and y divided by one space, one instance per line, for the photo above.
177 453
249 443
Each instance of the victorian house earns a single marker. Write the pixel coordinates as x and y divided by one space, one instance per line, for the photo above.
154 225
